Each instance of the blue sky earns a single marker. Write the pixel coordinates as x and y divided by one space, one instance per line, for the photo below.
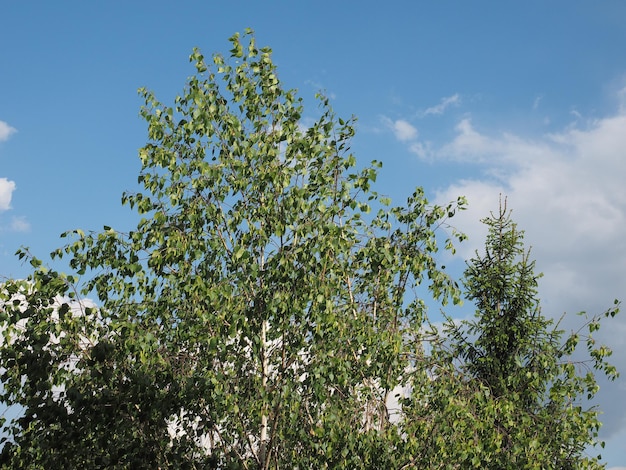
477 98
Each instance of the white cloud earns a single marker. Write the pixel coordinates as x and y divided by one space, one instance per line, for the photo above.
442 106
572 179
19 224
6 191
566 191
469 145
6 131
422 149
403 130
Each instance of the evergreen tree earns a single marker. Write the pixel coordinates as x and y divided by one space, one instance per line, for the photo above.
510 332
510 394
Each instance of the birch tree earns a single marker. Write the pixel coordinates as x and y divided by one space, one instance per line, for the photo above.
259 316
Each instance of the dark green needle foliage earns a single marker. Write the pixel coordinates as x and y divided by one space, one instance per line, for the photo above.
509 389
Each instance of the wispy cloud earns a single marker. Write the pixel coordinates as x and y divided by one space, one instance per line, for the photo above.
19 224
406 132
422 149
403 130
470 145
6 131
444 104
6 191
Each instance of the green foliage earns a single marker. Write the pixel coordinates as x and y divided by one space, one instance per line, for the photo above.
507 389
503 285
263 305
263 313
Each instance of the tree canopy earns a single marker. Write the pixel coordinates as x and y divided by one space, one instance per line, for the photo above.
267 311
518 389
